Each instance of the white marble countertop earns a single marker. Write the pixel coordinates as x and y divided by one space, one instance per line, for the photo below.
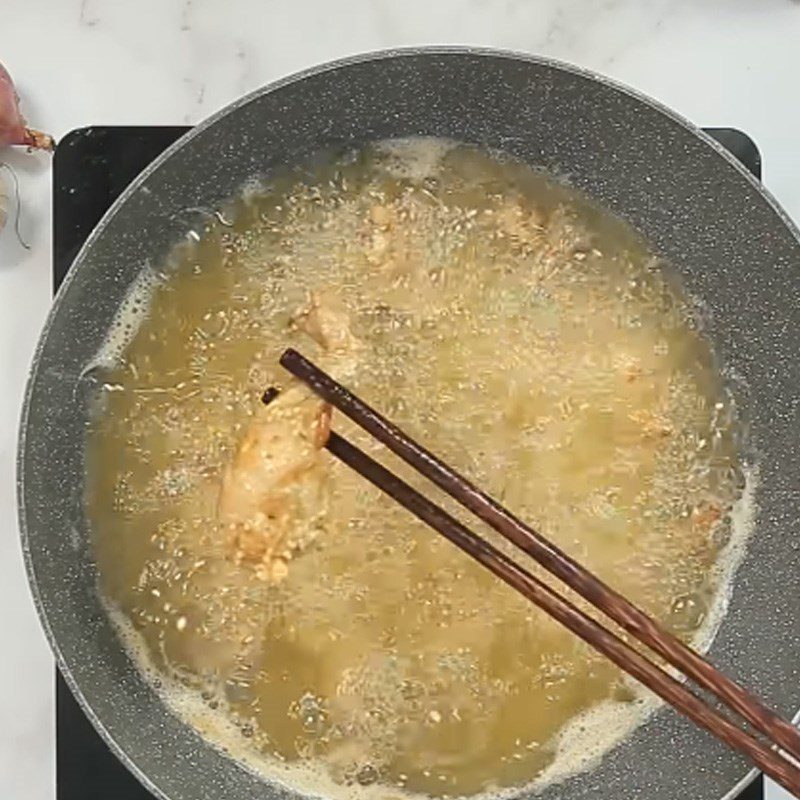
719 62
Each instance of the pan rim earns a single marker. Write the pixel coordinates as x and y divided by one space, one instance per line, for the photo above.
159 161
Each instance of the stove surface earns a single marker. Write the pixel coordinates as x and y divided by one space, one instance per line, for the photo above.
91 168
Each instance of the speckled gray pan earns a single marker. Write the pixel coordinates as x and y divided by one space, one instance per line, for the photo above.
732 245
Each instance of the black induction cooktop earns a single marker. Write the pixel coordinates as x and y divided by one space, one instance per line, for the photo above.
92 166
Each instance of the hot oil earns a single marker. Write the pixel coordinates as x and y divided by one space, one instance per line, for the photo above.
520 332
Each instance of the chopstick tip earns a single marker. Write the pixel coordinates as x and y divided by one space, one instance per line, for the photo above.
288 357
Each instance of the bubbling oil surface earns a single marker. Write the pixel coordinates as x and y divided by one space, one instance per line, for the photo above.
520 332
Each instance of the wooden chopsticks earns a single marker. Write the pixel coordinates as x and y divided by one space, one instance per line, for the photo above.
780 734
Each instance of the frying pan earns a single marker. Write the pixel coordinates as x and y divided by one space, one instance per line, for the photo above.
730 243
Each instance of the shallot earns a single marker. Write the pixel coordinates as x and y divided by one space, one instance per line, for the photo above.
15 131
13 128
